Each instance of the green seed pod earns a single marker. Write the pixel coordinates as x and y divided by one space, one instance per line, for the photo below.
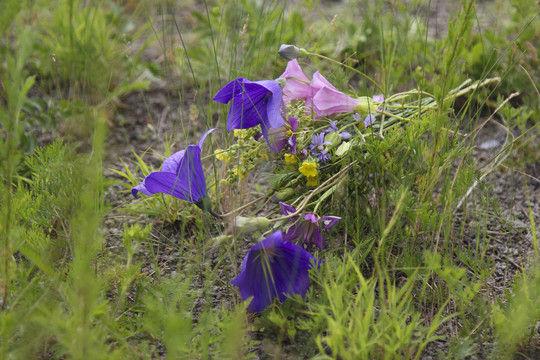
334 138
246 225
283 195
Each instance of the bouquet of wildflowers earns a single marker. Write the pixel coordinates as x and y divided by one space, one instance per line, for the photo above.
309 128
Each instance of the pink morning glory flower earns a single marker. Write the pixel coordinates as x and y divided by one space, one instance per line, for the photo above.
297 85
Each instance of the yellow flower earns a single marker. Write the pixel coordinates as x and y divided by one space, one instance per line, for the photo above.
291 159
239 172
240 133
311 181
222 155
263 154
308 169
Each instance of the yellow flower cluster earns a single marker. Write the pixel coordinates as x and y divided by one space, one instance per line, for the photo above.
222 155
309 170
240 172
240 133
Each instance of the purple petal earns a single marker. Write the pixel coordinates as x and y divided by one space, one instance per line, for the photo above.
293 121
170 184
273 109
204 137
191 171
295 231
142 188
277 139
286 209
253 103
188 183
273 268
311 217
171 163
248 108
229 91
318 238
369 120
329 221
181 175
292 144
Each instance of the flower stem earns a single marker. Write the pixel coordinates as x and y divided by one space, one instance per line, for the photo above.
330 181
243 207
348 67
217 216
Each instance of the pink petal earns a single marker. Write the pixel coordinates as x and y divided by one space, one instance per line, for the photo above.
328 101
295 89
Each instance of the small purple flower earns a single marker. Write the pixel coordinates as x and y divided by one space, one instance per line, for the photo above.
318 147
310 228
370 119
273 268
181 176
284 136
331 128
253 103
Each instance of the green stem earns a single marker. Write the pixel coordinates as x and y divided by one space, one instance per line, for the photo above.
348 67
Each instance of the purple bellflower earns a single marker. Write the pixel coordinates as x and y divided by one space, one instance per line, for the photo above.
253 103
310 228
318 147
273 268
284 136
181 176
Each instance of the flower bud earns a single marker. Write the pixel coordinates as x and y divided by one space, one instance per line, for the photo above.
222 239
282 81
334 138
366 106
282 195
343 148
291 52
247 225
